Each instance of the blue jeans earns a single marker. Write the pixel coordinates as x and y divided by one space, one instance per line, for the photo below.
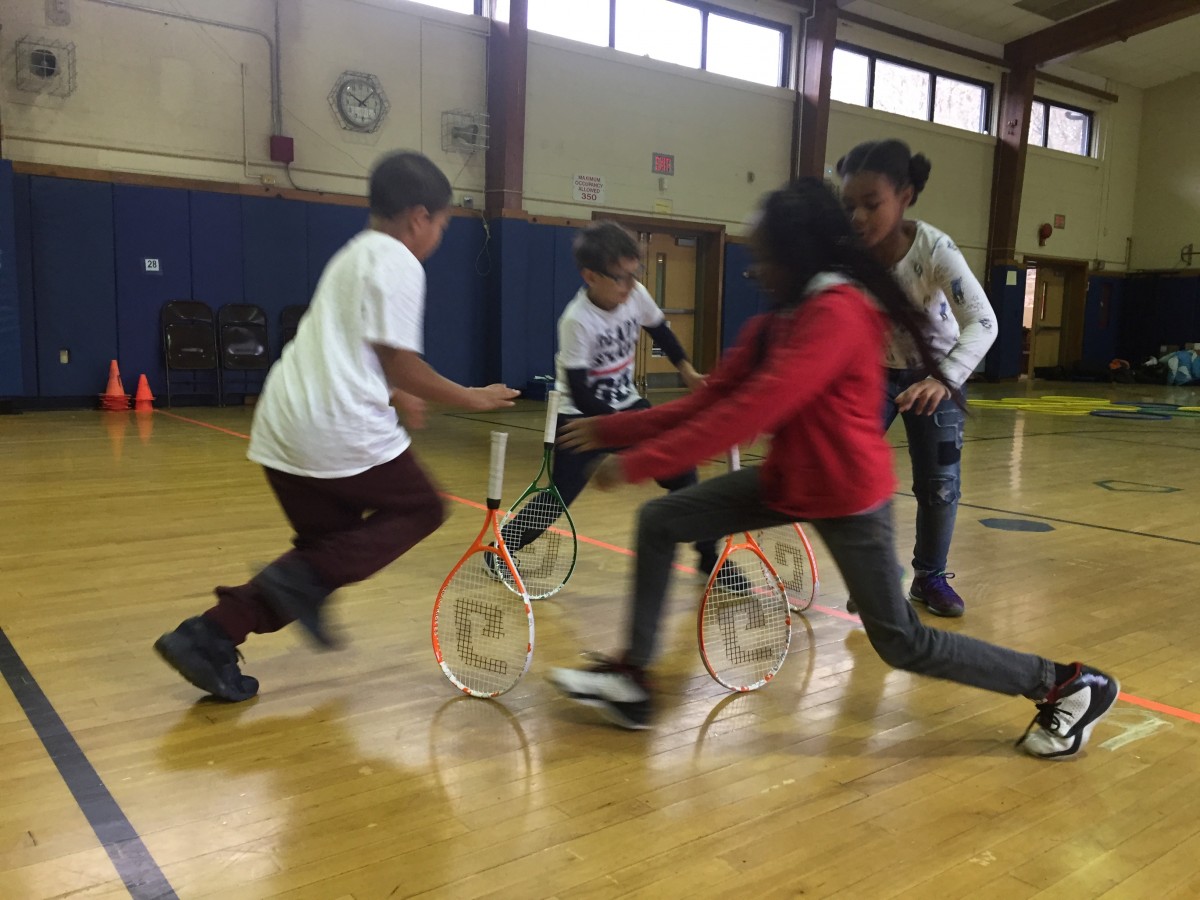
862 546
935 448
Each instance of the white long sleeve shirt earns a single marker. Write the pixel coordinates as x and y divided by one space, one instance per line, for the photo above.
960 325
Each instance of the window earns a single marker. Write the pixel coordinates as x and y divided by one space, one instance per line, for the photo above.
901 90
692 33
579 20
745 50
851 77
470 7
660 29
960 104
866 78
1059 127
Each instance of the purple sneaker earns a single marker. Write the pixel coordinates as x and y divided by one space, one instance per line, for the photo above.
939 598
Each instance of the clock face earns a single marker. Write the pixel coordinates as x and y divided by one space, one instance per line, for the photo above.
359 102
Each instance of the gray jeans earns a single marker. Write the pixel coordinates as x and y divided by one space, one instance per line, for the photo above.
864 550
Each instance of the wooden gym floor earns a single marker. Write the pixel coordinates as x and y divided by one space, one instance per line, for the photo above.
362 774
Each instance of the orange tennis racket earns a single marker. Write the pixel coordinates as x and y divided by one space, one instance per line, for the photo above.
744 625
483 625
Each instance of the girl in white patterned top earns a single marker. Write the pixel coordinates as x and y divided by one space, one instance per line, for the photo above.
880 181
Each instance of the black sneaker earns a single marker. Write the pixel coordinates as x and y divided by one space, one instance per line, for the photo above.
1065 719
200 652
495 568
618 691
291 588
708 561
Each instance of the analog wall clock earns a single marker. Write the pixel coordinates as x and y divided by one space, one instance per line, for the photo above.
359 102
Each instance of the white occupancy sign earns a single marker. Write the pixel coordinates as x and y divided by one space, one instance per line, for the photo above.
588 188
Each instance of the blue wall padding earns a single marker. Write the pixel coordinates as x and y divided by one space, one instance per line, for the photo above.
274 257
506 312
216 225
533 279
22 213
149 223
743 296
1008 303
11 376
329 228
456 304
1176 322
1100 325
75 293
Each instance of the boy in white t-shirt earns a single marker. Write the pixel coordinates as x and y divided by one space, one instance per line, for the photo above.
327 435
597 340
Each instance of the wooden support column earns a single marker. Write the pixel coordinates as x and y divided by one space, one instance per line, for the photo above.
1008 173
810 120
507 71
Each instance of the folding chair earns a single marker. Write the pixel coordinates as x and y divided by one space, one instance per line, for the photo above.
289 321
190 346
242 336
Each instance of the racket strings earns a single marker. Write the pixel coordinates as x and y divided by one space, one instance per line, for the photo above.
535 538
745 624
783 547
483 626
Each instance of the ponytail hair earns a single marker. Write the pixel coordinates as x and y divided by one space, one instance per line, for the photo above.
891 159
802 231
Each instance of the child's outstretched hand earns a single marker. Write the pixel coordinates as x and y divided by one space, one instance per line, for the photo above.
692 379
923 397
609 475
493 396
581 434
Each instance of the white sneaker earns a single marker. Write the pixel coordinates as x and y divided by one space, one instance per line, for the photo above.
1065 719
618 691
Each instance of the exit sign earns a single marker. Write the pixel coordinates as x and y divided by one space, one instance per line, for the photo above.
664 164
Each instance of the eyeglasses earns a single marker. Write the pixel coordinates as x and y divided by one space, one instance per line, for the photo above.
625 279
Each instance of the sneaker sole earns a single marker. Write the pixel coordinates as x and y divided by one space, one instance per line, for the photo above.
1086 734
945 614
605 708
188 664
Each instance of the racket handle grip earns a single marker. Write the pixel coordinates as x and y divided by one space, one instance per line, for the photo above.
735 458
552 400
496 466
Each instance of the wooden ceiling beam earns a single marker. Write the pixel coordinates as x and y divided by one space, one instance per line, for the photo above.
1116 21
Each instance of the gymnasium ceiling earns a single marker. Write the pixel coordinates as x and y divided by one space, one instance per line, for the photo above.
1144 60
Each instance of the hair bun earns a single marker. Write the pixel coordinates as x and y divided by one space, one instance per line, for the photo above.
919 168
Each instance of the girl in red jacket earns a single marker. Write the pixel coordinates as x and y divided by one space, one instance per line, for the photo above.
800 373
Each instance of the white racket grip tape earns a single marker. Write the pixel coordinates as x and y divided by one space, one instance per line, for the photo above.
735 458
496 467
552 400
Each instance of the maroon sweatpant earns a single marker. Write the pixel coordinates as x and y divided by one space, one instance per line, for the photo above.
347 529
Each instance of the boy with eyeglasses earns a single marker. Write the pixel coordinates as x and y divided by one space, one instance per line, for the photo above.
597 342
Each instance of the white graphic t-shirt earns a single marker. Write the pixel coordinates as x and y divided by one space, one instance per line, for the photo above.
959 325
604 342
324 410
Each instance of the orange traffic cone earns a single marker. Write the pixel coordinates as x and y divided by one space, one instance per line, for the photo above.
143 400
114 397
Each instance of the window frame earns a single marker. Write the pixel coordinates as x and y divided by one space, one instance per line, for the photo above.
1090 137
705 8
985 114
480 7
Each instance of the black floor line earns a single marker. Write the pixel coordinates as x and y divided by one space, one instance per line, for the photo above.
1031 515
134 864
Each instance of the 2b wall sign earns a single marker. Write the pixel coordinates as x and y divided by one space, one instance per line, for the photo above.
588 188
